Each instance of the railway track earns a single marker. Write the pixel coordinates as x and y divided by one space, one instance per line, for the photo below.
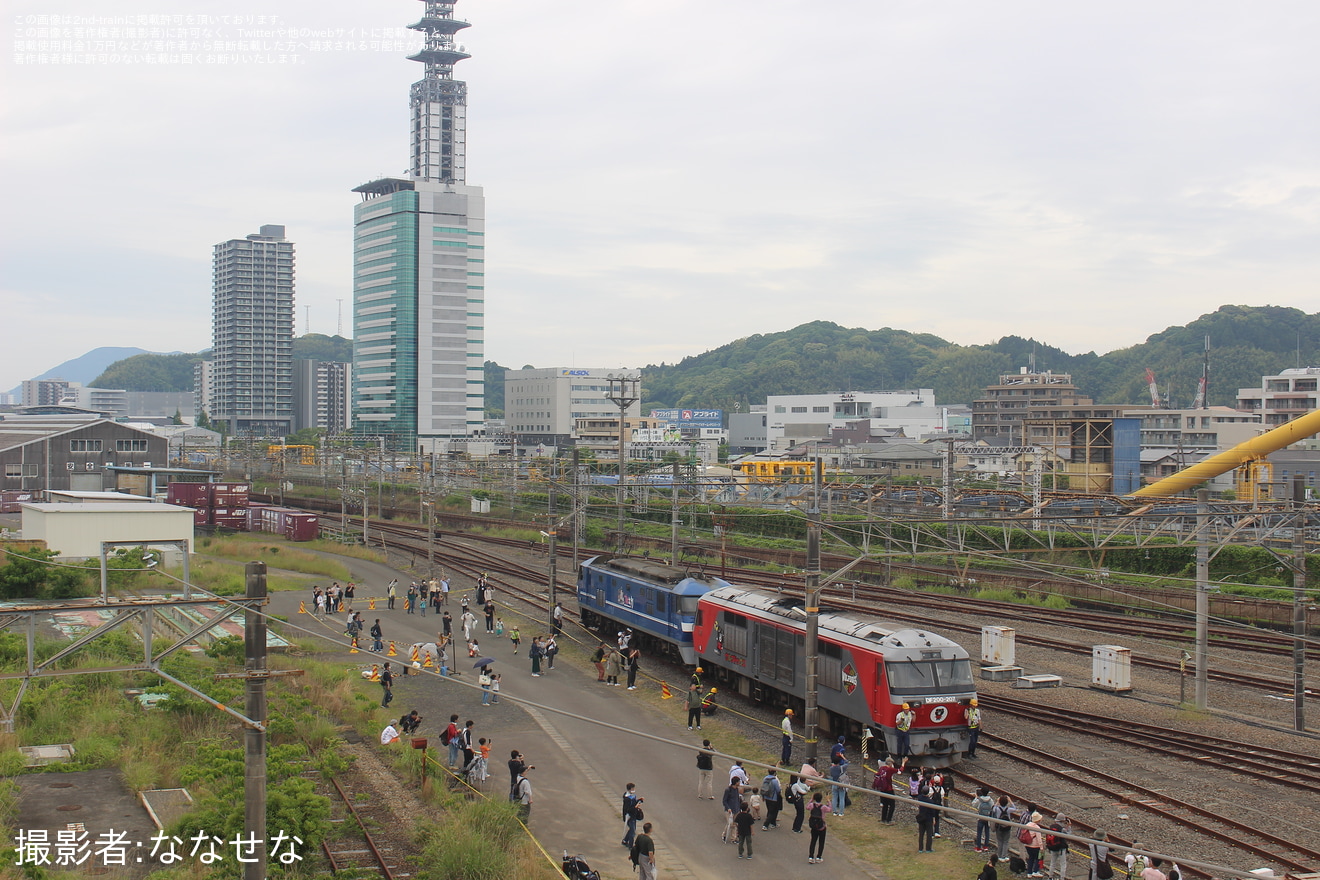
1260 765
1253 839
413 539
1213 754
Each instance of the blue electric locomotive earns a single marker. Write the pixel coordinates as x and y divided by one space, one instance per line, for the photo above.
658 602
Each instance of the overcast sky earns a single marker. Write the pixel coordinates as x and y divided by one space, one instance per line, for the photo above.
665 176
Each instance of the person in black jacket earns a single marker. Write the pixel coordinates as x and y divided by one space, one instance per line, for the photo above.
926 819
989 871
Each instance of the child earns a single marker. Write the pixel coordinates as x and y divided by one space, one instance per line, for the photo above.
495 687
515 637
499 626
473 648
479 772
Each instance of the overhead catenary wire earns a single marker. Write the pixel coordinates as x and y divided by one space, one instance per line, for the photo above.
1211 867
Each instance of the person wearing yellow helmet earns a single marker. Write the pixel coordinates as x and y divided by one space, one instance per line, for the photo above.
708 703
786 744
696 676
903 725
973 726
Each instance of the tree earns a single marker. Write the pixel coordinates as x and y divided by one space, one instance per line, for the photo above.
178 417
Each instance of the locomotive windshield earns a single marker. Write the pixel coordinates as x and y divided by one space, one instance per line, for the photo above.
687 605
909 677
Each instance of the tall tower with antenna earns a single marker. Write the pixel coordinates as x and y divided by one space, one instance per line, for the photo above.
438 101
419 290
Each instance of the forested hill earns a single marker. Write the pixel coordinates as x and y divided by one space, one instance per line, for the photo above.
1247 342
174 372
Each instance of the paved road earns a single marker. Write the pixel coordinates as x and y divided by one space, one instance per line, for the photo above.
581 767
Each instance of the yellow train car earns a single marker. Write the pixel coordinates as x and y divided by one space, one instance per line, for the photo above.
777 471
305 455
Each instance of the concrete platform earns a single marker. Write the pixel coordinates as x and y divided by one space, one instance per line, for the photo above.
1039 681
1000 673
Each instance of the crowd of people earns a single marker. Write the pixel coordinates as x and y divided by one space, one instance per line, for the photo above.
814 796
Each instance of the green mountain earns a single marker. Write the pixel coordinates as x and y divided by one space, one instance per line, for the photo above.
174 372
150 372
1247 342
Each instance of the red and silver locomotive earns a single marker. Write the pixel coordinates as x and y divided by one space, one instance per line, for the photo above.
866 670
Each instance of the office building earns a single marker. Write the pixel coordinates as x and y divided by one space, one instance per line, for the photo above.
252 335
544 407
1282 397
419 270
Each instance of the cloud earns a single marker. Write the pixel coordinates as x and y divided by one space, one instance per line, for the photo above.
664 178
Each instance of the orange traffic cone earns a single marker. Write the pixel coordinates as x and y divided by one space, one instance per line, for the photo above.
428 664
371 604
375 672
302 607
391 652
414 658
354 649
664 690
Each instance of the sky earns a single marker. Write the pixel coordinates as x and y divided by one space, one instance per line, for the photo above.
666 176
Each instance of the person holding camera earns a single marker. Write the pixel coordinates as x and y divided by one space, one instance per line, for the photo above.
517 767
632 811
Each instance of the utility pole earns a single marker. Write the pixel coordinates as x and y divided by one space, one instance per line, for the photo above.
577 510
673 518
1299 605
622 393
812 606
552 528
254 757
1202 597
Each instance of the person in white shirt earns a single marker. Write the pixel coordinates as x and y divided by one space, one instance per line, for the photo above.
389 734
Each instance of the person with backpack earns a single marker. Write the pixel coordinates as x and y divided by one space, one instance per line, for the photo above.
632 811
1033 841
1099 852
797 796
598 660
884 783
449 737
642 854
984 805
1003 831
705 771
816 823
1056 848
773 795
535 653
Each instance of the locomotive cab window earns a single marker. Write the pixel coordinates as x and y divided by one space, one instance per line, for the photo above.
929 676
688 605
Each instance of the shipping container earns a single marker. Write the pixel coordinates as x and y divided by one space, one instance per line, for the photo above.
11 500
230 494
195 495
201 516
302 526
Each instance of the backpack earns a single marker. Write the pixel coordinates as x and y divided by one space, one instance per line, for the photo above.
1052 843
1025 836
766 788
817 820
444 737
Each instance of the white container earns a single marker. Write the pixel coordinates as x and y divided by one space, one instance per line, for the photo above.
1111 668
480 505
998 645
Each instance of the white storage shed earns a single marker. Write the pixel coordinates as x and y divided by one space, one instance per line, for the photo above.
77 530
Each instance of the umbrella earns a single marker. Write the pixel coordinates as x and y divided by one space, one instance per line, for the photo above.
484 661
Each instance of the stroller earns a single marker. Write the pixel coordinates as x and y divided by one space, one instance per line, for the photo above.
577 869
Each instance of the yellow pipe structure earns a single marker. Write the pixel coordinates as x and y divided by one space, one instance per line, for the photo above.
1256 448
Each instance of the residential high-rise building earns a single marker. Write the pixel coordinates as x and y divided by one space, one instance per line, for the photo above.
252 335
320 395
419 269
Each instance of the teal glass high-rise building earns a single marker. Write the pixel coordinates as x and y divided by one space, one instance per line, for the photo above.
419 270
